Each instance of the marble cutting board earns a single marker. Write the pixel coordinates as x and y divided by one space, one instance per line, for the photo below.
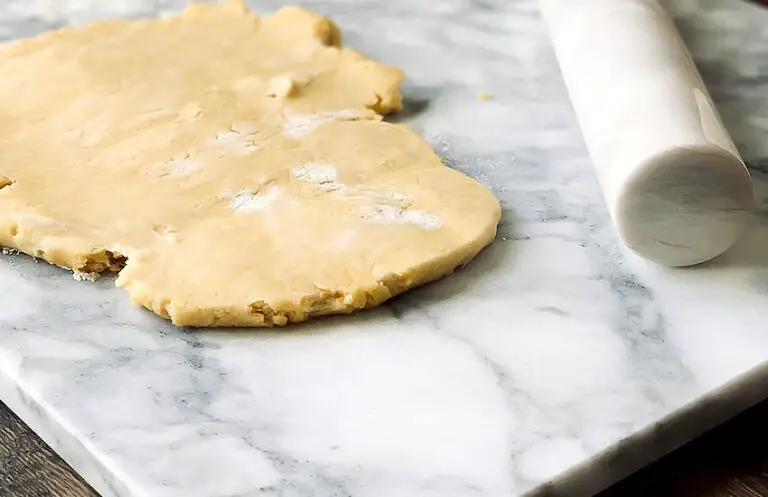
553 365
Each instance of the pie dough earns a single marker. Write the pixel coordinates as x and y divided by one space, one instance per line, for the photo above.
235 171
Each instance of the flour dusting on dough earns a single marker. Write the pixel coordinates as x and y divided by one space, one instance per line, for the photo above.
377 205
393 214
303 124
344 115
247 201
323 176
426 220
299 126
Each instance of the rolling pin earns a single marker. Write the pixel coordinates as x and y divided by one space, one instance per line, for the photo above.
677 190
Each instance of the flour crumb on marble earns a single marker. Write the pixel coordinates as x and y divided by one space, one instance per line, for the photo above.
484 96
8 251
300 125
323 176
235 143
82 276
246 200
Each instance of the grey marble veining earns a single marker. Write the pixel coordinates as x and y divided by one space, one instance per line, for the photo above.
552 365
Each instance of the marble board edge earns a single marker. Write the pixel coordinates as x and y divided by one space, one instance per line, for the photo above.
587 478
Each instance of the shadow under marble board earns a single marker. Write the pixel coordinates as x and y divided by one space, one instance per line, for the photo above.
554 364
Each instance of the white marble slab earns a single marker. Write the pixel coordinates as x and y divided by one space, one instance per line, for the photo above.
554 364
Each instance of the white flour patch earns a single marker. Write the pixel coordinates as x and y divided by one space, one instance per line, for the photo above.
246 201
299 126
391 214
426 220
235 143
303 124
323 176
376 205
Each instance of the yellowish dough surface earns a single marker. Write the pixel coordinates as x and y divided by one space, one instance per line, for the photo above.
235 171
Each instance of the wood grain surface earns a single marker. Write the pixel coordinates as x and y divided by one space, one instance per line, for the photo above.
29 468
730 461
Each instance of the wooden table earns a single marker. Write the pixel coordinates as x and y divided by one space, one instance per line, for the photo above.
731 461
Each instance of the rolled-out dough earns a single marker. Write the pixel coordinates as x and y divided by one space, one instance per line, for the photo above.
235 171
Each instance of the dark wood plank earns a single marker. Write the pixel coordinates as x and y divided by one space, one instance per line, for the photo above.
730 461
29 468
